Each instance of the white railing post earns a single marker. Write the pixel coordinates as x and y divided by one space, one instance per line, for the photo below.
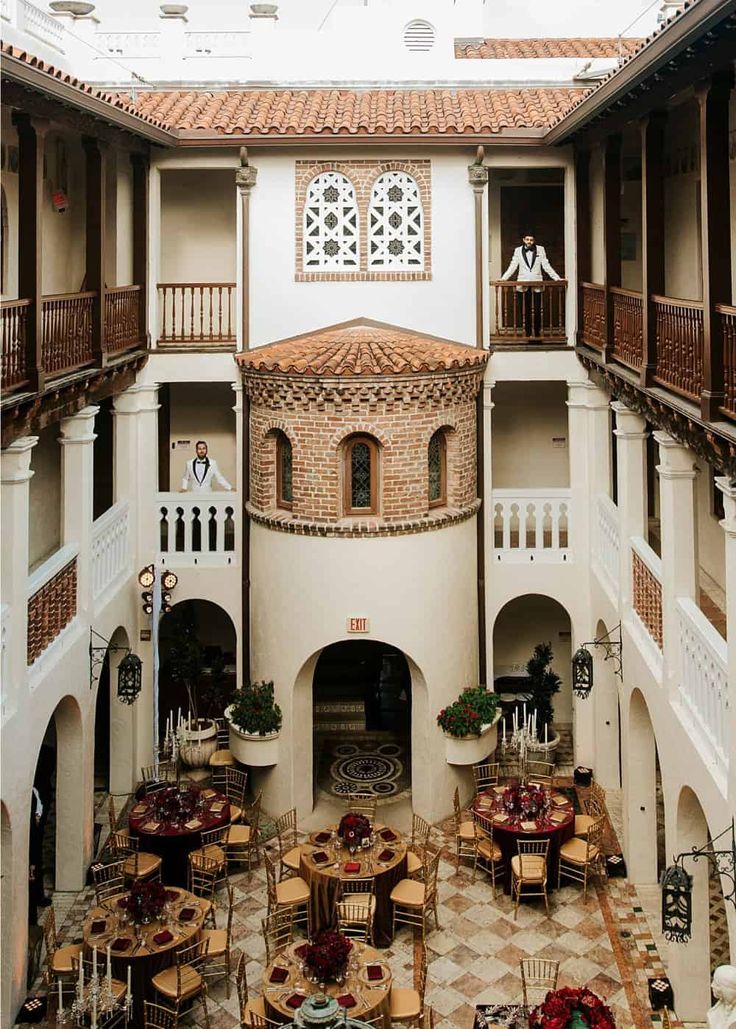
179 548
109 548
728 524
516 512
631 436
703 682
606 552
77 492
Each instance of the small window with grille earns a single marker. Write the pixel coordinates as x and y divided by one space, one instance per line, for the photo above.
284 489
331 233
437 469
361 476
395 223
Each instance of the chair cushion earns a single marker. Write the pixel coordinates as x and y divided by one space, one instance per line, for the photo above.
408 893
414 863
489 851
236 813
222 757
576 851
165 982
254 1007
238 836
466 831
212 852
218 941
582 824
61 962
404 1003
291 858
535 868
147 865
292 891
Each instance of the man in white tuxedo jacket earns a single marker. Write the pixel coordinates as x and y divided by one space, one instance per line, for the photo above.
202 471
529 261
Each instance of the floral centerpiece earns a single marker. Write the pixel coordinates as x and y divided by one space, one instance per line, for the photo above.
353 829
326 957
144 902
572 1008
474 709
529 801
174 805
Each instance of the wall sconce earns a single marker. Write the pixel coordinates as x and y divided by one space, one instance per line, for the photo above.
129 669
582 661
677 886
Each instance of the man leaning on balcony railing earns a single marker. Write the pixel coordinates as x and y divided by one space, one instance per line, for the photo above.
529 261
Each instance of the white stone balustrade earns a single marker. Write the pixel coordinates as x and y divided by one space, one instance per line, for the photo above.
43 26
531 524
198 529
217 44
607 542
704 677
109 548
129 44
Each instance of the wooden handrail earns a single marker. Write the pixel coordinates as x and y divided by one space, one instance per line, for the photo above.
692 305
592 285
121 289
621 292
7 304
69 296
726 309
196 285
529 282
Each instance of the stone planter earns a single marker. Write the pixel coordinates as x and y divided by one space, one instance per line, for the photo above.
545 751
263 10
173 10
75 7
197 747
252 748
469 750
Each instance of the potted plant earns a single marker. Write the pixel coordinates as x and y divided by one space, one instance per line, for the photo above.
254 720
470 726
543 684
572 1008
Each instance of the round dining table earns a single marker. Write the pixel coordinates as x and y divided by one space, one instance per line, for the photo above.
363 994
144 949
169 823
556 823
324 862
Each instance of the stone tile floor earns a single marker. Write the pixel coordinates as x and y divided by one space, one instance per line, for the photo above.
604 942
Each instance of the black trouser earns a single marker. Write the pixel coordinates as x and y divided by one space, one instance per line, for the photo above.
529 312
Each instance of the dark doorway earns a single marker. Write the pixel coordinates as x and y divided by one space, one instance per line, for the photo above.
103 488
102 729
42 838
537 209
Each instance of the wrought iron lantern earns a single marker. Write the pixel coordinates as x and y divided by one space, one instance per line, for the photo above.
582 672
677 904
129 678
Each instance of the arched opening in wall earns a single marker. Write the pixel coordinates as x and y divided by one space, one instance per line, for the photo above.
43 825
362 706
197 648
103 459
113 755
102 730
520 626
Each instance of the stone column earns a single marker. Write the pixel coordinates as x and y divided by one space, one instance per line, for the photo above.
15 476
631 436
242 623
728 524
679 544
245 180
478 179
77 497
488 515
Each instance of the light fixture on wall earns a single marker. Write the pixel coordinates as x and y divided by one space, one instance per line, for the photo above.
582 661
677 886
147 579
129 669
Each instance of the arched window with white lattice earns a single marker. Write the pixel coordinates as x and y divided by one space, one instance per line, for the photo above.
331 234
395 223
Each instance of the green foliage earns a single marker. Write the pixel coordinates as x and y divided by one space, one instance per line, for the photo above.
253 709
474 708
206 684
544 683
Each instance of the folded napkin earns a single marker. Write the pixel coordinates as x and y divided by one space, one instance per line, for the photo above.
559 800
352 866
347 1000
500 819
295 1000
529 826
320 857
194 824
499 789
151 826
386 855
172 894
279 975
302 950
187 914
218 805
322 837
209 793
139 809
557 816
374 972
98 926
121 943
163 937
484 802
388 835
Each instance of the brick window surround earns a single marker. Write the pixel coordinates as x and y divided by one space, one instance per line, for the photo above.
363 174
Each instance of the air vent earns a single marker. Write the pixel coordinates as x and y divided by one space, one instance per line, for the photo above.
419 36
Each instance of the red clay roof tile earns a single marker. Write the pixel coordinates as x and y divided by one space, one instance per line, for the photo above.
361 348
504 49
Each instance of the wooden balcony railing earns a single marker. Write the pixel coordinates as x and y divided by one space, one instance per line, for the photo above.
647 588
52 600
523 316
67 332
14 314
123 327
679 345
196 312
594 314
728 324
627 327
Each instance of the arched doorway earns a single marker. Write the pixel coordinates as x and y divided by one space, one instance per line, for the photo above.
197 641
113 767
361 694
520 625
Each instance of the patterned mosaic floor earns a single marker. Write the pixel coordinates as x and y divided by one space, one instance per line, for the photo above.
474 957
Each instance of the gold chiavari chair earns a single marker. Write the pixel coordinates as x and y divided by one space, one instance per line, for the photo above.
421 832
487 852
137 864
222 758
184 982
485 775
113 818
242 841
249 1009
362 804
356 908
212 849
292 893
538 977
262 1022
464 833
203 878
581 857
595 808
415 900
109 880
59 960
236 781
529 872
278 932
289 849
219 942
406 1004
540 772
156 777
156 1017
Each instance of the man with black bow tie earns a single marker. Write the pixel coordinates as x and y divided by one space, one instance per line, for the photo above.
529 261
201 472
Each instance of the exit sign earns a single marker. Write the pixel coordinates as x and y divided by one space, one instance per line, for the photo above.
359 625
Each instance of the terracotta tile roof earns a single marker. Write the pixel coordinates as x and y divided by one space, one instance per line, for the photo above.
302 112
504 49
361 348
117 100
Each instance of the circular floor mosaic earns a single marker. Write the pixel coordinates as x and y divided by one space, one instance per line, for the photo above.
375 773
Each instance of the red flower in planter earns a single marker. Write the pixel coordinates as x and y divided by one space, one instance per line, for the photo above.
353 827
562 1005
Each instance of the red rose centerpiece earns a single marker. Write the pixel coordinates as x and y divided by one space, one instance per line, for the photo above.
572 1008
145 902
530 801
353 829
326 957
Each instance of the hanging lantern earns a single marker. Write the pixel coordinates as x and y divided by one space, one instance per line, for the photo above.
677 904
582 673
129 679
